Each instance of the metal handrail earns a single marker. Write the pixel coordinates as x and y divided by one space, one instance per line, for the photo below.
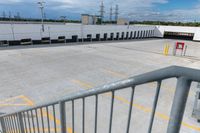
184 75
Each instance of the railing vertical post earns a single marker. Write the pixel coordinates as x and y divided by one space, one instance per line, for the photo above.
3 125
63 117
154 106
130 110
179 103
21 124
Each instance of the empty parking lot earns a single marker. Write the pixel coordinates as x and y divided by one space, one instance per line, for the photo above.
32 76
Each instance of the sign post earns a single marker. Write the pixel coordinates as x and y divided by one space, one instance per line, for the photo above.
179 46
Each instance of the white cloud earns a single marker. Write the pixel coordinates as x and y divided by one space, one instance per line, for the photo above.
9 1
132 9
92 6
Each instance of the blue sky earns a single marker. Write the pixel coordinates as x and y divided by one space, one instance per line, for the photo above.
165 10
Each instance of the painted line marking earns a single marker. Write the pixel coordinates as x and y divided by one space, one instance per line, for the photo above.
137 106
51 117
9 101
29 102
115 74
82 84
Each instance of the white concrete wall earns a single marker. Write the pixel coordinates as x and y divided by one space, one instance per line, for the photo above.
159 31
22 31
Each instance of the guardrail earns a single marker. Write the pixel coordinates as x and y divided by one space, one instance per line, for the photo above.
32 119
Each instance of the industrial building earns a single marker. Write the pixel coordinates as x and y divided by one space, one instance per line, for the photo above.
87 19
122 21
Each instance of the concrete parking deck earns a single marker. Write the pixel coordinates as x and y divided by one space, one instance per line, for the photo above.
31 76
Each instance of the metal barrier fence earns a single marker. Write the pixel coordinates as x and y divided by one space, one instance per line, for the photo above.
32 120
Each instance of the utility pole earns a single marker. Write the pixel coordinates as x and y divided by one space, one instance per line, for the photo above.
4 14
12 25
45 16
111 13
102 11
18 15
41 6
116 12
10 15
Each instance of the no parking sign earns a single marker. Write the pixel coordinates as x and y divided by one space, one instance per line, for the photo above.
180 45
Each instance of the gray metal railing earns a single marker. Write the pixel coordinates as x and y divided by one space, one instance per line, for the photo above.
32 120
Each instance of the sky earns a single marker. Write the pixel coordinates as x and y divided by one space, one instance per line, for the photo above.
138 10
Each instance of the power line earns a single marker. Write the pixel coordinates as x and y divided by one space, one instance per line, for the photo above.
4 14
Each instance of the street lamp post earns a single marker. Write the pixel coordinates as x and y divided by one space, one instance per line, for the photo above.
41 6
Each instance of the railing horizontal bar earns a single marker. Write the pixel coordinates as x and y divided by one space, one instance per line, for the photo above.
161 74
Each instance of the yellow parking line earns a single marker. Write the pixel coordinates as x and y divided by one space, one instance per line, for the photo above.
30 102
51 117
5 102
11 99
1 105
82 84
116 74
140 107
